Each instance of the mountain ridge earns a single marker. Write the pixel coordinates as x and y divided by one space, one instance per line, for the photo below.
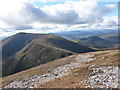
38 50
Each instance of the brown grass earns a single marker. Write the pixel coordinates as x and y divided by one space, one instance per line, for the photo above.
78 76
37 70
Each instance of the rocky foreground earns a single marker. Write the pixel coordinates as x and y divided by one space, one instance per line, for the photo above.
104 76
34 81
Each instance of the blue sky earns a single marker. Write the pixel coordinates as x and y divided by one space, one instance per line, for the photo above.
115 12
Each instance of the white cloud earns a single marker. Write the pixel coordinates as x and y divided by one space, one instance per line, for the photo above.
78 12
8 6
111 21
21 15
112 6
5 33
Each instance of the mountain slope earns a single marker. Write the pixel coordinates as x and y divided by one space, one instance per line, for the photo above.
75 35
114 38
95 41
104 39
62 43
29 57
41 50
76 71
14 43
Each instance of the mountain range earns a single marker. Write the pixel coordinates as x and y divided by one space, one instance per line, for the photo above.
100 39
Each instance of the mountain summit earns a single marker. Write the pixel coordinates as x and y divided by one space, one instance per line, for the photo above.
25 50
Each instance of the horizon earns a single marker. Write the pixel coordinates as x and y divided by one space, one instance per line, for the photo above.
2 38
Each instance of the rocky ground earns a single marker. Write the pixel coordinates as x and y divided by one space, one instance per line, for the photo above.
34 81
85 71
103 77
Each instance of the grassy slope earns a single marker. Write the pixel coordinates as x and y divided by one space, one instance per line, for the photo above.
30 57
79 75
14 43
97 42
39 51
62 43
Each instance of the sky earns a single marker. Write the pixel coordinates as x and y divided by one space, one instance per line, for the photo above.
46 16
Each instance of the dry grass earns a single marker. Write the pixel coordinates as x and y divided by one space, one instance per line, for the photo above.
78 76
37 70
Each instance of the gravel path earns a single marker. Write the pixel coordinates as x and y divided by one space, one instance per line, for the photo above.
34 81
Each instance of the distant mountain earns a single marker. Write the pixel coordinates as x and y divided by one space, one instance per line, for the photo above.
88 32
112 37
95 41
25 50
76 34
93 38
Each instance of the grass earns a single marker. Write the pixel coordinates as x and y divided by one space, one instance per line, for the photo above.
37 70
78 74
81 74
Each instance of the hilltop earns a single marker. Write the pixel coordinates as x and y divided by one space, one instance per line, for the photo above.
25 50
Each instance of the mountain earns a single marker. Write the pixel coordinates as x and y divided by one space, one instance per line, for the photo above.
34 49
30 56
65 44
86 70
99 39
114 38
95 41
14 43
76 34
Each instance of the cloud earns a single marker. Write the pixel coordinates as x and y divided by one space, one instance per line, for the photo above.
26 15
22 15
110 22
5 33
68 13
73 13
23 27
